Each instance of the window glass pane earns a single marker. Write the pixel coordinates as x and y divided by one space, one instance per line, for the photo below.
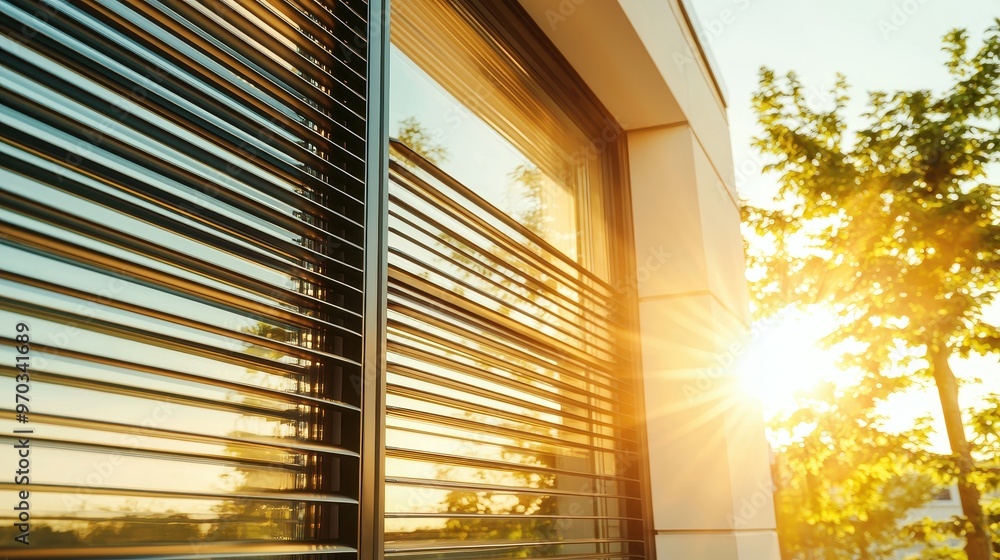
458 101
508 425
439 127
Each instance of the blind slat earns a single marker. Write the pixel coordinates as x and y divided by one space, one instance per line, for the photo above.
182 215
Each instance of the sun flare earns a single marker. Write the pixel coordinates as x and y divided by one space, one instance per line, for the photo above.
783 359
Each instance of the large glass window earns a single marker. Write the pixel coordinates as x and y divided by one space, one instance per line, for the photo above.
494 126
509 425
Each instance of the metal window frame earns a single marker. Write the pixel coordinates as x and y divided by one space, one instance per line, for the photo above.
371 509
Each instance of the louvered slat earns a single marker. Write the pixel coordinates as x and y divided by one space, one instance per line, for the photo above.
182 210
508 419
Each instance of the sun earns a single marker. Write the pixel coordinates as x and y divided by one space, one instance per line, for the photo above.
783 358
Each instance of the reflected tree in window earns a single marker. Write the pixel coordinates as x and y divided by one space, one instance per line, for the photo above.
250 519
415 135
525 198
505 516
481 271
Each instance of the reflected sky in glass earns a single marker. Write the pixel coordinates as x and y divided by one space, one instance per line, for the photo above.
479 157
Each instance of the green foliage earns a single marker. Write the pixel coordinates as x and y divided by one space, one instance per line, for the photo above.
896 228
985 426
844 487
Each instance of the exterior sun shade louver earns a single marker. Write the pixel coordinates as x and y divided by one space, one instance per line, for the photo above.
182 231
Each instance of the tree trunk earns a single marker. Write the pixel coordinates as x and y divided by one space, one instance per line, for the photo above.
977 543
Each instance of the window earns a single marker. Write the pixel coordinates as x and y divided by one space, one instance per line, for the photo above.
943 495
189 224
459 102
509 426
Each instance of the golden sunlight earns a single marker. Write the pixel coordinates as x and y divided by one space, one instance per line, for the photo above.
783 359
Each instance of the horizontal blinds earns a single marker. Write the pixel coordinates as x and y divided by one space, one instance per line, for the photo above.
181 230
509 415
470 65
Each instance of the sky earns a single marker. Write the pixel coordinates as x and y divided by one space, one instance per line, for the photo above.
878 45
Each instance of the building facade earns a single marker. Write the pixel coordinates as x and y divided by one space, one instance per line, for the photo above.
361 279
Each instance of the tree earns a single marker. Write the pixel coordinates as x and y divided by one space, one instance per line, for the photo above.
897 227
985 424
844 486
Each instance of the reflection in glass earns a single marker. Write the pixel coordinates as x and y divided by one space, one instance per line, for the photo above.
181 210
436 125
508 427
